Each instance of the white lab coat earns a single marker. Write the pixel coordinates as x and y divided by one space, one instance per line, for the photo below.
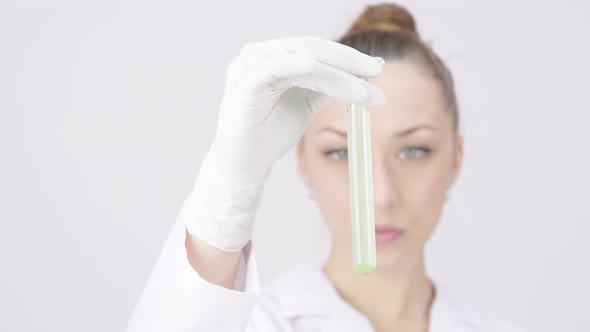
302 299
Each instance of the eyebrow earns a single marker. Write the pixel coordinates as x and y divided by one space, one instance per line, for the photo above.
401 133
413 129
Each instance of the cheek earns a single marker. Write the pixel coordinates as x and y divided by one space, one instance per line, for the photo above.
330 182
424 191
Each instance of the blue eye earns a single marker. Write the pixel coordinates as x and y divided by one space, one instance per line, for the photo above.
340 154
411 152
414 152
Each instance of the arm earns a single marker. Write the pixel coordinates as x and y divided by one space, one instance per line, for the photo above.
177 298
205 278
214 265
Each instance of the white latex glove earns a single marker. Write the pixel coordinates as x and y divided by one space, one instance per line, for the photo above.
272 91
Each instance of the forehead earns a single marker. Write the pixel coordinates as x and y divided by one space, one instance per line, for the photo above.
413 96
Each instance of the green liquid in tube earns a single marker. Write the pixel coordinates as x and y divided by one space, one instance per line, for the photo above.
360 171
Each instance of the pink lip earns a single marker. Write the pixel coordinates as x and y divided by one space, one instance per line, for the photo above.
386 234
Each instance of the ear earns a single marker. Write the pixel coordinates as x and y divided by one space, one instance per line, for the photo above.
457 160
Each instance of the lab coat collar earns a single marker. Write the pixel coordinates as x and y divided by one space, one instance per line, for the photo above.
304 291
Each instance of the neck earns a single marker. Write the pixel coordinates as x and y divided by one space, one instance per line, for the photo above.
389 296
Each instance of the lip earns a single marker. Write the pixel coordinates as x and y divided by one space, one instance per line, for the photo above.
385 234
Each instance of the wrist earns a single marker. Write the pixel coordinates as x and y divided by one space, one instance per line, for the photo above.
221 211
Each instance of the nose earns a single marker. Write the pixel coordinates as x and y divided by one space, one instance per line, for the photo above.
385 188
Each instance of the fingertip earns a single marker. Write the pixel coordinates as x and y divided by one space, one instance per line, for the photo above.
375 96
377 68
379 60
359 94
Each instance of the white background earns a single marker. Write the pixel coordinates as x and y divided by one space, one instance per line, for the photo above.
108 107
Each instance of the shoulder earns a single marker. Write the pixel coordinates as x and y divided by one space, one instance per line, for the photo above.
458 315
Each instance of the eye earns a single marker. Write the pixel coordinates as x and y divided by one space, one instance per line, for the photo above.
414 152
340 154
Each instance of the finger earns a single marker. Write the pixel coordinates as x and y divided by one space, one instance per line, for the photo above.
256 78
286 70
317 100
335 83
332 53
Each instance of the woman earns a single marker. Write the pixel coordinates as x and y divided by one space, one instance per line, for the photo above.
292 92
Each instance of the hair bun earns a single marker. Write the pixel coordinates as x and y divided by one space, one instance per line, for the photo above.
384 18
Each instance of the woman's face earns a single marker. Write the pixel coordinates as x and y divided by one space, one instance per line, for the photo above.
416 158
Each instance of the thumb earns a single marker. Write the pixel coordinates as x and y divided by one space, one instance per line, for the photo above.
317 100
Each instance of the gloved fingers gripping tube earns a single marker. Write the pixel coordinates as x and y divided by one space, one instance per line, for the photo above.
361 188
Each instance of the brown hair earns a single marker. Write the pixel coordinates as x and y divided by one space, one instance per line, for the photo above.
389 31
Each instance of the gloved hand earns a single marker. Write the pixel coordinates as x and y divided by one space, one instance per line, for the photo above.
272 91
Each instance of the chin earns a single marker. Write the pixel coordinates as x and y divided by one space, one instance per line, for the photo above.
390 257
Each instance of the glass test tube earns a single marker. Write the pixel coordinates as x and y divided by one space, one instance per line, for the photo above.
360 171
